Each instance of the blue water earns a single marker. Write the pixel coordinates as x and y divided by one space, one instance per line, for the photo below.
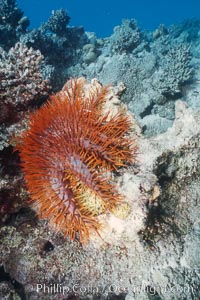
101 16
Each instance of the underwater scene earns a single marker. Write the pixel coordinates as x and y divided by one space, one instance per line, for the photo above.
99 150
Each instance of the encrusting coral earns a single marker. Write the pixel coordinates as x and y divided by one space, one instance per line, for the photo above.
68 156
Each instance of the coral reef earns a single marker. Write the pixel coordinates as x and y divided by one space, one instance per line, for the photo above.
58 22
156 72
68 153
177 71
21 80
89 53
160 31
12 23
3 137
21 89
58 42
126 37
145 60
152 252
12 190
10 13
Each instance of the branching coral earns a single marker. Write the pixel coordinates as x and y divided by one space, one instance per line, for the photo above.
68 156
9 12
126 37
176 72
12 23
20 80
58 22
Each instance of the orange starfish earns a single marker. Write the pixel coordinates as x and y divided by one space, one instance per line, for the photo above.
68 155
